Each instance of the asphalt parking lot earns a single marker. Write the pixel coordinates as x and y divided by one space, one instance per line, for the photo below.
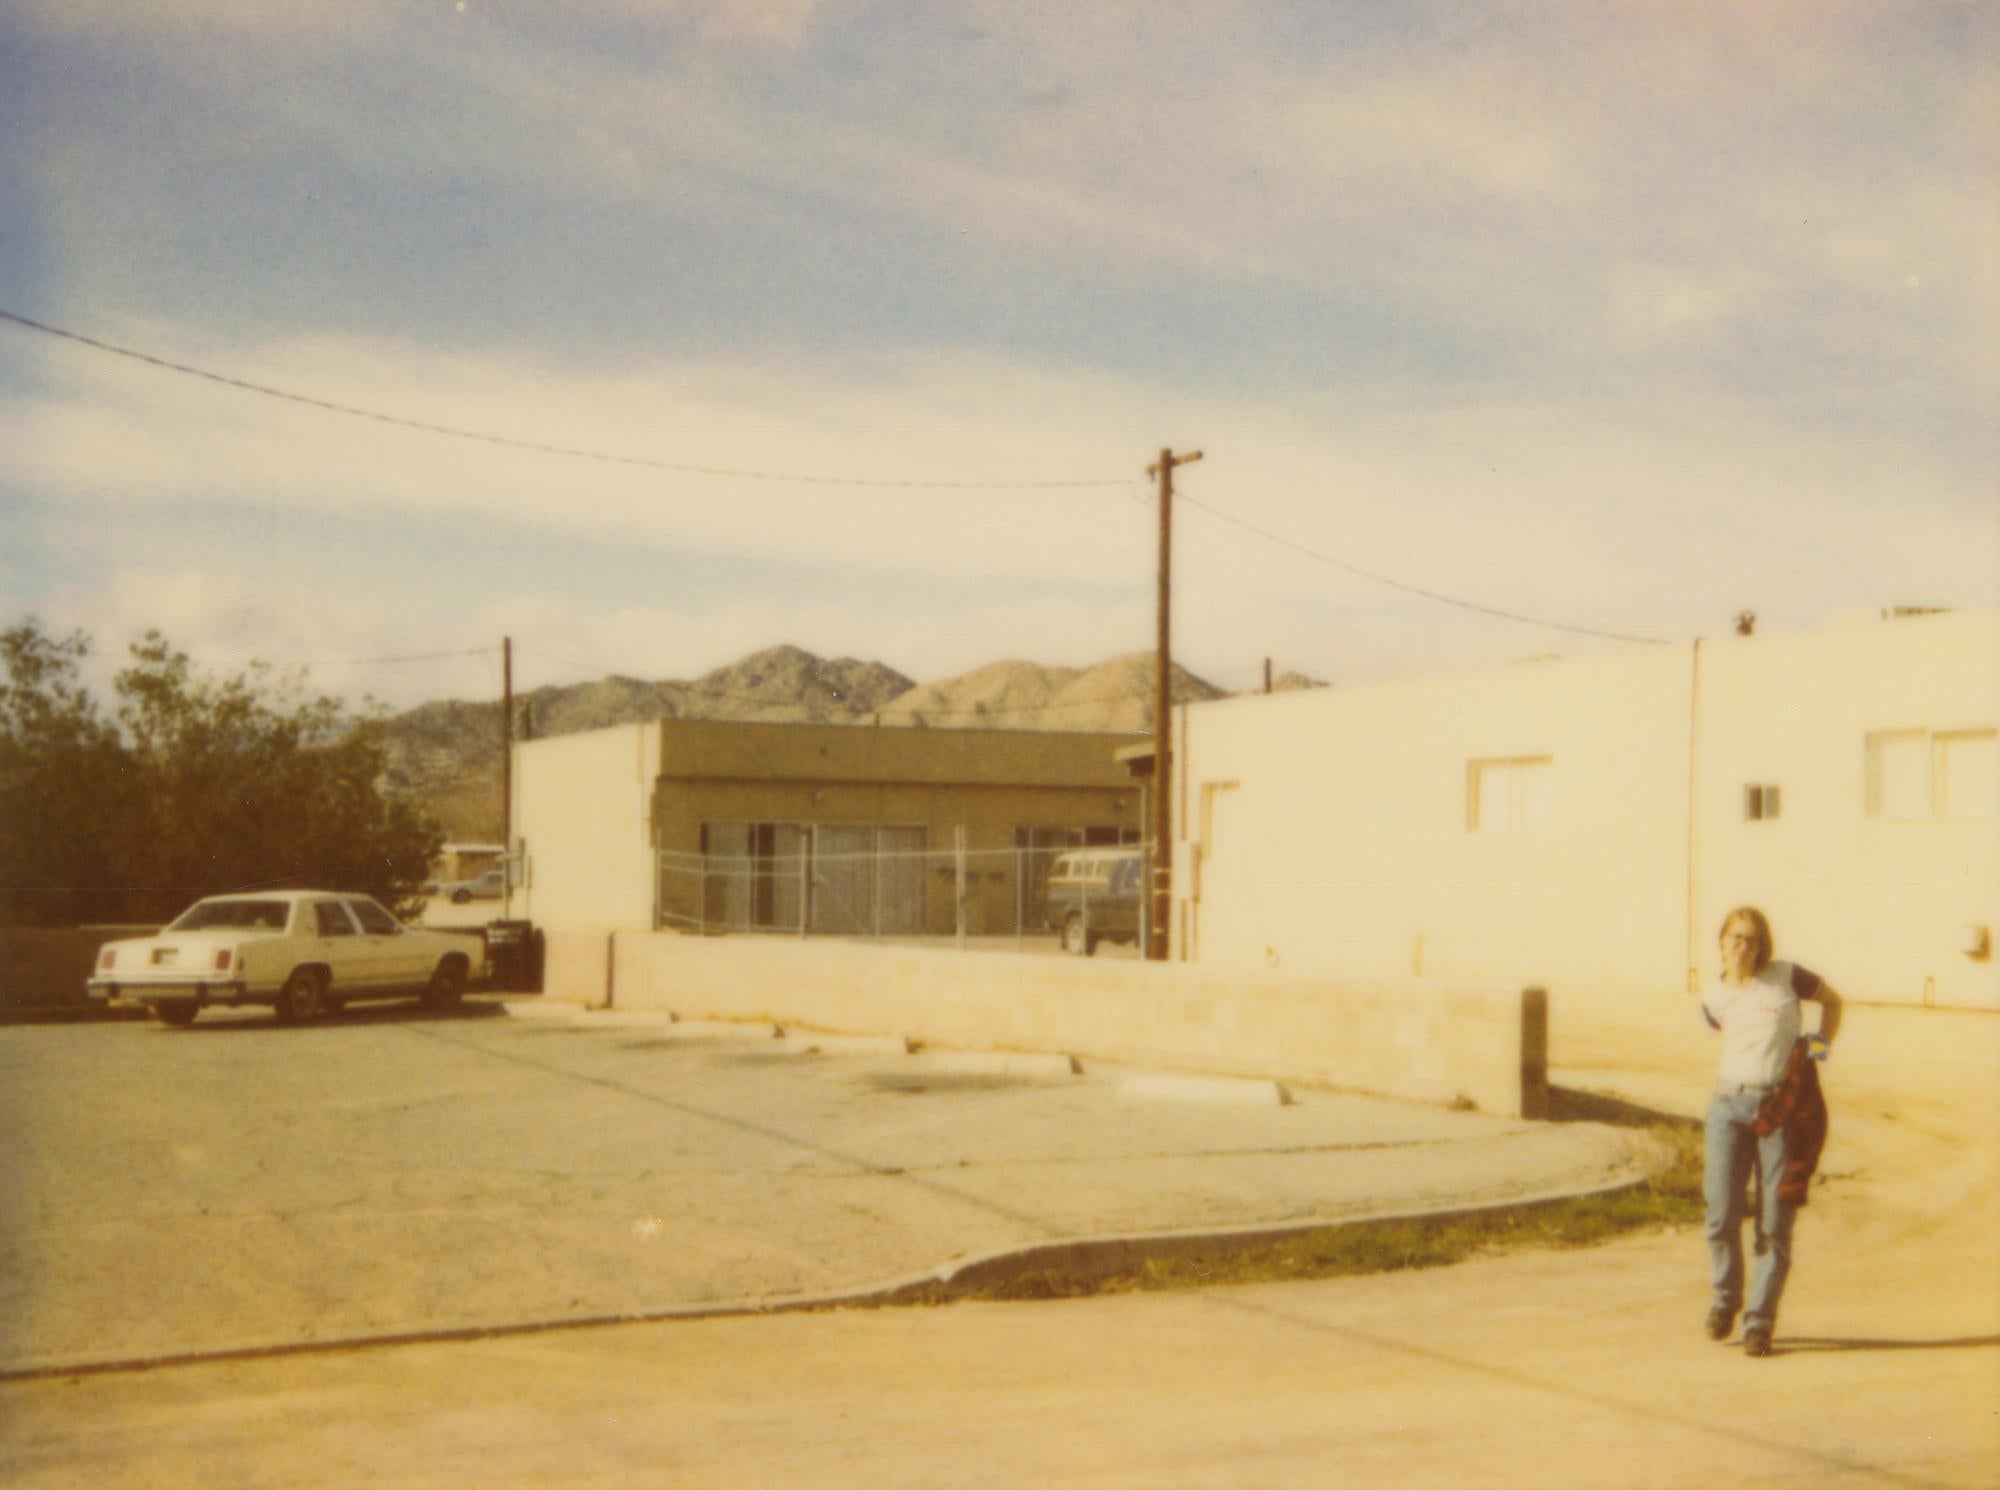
239 1185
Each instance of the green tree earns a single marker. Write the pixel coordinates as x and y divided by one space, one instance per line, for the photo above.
64 786
203 784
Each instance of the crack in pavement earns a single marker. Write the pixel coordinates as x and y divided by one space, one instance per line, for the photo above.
861 1163
1558 1389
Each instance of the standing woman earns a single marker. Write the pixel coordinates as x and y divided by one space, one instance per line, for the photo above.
1767 1118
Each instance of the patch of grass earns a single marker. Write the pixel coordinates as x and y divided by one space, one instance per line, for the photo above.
1671 1197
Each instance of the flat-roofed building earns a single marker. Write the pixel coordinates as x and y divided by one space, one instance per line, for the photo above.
837 829
1585 824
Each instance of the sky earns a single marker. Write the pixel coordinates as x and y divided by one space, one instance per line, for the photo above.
1622 318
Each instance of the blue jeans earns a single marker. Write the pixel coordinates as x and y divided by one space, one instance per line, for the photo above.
1733 1150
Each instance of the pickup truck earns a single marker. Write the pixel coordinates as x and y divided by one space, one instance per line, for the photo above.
301 952
1093 895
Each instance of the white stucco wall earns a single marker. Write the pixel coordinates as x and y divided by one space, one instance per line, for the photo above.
1344 844
1878 905
582 806
1351 852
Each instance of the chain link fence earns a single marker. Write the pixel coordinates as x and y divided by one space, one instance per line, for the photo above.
882 884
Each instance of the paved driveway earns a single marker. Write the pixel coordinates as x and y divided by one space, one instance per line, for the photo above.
1577 1370
244 1185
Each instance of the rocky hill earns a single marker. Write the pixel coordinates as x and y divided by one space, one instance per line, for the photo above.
447 754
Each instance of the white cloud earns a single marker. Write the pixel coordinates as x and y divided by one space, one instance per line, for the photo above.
1658 521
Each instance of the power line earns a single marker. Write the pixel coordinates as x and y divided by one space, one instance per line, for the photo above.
108 659
571 452
1397 584
687 468
372 661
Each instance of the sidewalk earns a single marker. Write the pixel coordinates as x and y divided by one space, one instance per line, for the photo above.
1559 1370
237 1188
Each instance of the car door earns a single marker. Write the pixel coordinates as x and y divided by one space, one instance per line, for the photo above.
393 957
337 942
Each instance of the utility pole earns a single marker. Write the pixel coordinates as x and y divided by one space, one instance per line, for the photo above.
1163 710
506 756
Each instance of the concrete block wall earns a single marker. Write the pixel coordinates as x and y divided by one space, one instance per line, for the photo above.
576 966
1428 1041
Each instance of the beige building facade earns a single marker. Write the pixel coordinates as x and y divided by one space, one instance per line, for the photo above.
1584 825
842 830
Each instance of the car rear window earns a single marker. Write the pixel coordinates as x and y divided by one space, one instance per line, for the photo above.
372 917
245 915
332 919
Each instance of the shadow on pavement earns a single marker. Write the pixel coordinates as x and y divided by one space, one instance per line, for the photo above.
1806 1344
1568 1105
368 1014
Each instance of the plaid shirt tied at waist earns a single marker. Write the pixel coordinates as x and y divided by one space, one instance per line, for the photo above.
1796 1105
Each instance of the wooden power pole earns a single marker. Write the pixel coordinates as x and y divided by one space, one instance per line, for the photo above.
1160 910
506 751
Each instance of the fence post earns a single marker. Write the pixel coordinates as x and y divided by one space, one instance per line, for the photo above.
1146 899
958 859
1020 902
805 882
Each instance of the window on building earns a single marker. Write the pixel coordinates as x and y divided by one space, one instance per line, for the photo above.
1760 803
1899 774
1915 774
1968 773
753 874
844 878
1511 794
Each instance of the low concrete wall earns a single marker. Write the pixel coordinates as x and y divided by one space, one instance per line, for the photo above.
46 967
1432 1042
576 966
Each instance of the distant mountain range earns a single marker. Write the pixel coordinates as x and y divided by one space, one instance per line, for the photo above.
446 755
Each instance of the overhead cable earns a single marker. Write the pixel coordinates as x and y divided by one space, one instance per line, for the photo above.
571 452
1397 584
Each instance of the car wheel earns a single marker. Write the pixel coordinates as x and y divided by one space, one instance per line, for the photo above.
299 999
1078 939
178 1012
447 985
461 897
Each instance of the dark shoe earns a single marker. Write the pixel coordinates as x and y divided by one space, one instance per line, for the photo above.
1756 1341
1720 1322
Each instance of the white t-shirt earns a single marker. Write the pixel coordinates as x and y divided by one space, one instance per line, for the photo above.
1759 1021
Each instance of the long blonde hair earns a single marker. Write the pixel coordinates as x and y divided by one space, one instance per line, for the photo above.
1758 924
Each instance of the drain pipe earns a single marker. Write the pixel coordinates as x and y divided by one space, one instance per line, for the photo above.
1689 948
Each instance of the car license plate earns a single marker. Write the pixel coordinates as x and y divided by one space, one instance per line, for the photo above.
164 956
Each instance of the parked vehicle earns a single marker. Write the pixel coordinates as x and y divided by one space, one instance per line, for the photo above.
1094 895
491 885
303 952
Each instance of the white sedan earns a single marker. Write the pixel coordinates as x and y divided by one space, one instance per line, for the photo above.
300 951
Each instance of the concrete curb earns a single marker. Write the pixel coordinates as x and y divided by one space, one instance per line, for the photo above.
1149 1086
1001 1063
1089 1256
627 1019
806 1043
719 1029
540 1008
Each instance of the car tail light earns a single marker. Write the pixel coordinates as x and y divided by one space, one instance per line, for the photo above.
107 959
222 961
